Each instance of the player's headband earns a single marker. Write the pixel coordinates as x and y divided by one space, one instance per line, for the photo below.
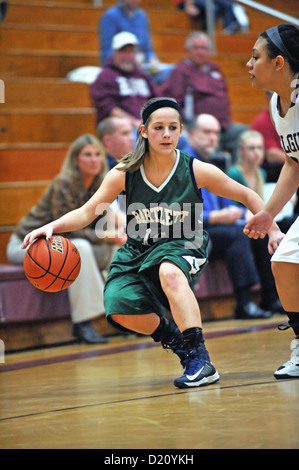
163 103
274 36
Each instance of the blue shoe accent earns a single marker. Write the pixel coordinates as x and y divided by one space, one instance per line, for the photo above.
199 370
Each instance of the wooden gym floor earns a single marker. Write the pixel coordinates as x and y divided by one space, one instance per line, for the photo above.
121 395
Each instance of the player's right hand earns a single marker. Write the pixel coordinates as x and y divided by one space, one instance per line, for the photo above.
45 230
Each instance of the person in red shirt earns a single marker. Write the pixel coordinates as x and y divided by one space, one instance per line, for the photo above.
200 88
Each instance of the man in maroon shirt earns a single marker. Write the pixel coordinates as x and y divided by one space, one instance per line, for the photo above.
199 87
122 88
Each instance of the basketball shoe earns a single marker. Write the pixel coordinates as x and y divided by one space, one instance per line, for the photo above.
290 369
198 369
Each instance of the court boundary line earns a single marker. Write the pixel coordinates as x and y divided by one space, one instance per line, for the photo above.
127 348
128 400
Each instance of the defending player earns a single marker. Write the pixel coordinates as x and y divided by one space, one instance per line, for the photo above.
274 66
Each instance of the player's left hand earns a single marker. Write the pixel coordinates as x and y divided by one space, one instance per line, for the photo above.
258 226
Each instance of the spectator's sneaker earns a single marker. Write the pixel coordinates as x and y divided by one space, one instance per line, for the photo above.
290 369
251 311
198 368
84 331
232 28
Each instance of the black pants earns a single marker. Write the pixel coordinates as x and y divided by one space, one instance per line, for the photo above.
222 9
247 260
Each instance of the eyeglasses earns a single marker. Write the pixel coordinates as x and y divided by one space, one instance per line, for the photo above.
254 147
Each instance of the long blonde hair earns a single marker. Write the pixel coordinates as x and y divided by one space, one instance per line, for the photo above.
69 165
133 160
242 142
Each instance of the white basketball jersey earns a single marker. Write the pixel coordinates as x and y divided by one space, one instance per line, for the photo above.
287 127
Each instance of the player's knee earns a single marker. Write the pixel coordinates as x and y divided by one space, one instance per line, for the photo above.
170 276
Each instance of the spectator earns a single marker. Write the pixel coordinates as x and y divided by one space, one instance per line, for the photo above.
116 135
122 88
204 133
224 9
125 15
247 171
274 154
199 87
247 263
81 174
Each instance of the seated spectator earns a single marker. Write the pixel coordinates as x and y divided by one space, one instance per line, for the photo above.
222 9
81 174
199 87
247 263
248 169
204 133
116 135
125 15
248 172
274 153
122 88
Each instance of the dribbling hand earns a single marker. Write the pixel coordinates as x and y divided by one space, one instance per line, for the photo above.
45 230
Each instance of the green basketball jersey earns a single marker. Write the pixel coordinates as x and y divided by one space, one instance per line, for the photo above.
163 225
171 211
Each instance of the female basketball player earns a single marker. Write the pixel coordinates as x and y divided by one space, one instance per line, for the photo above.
274 66
166 246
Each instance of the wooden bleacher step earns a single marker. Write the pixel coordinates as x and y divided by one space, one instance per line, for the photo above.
48 125
70 38
45 93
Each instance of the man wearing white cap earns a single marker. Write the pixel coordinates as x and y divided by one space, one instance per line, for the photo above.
122 88
126 15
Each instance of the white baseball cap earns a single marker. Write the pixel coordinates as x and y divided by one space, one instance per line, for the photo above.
123 39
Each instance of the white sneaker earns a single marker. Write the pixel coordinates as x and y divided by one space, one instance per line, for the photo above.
290 369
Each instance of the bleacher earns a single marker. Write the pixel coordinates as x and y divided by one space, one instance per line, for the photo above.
40 43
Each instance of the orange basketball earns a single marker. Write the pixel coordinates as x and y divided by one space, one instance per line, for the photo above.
52 265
